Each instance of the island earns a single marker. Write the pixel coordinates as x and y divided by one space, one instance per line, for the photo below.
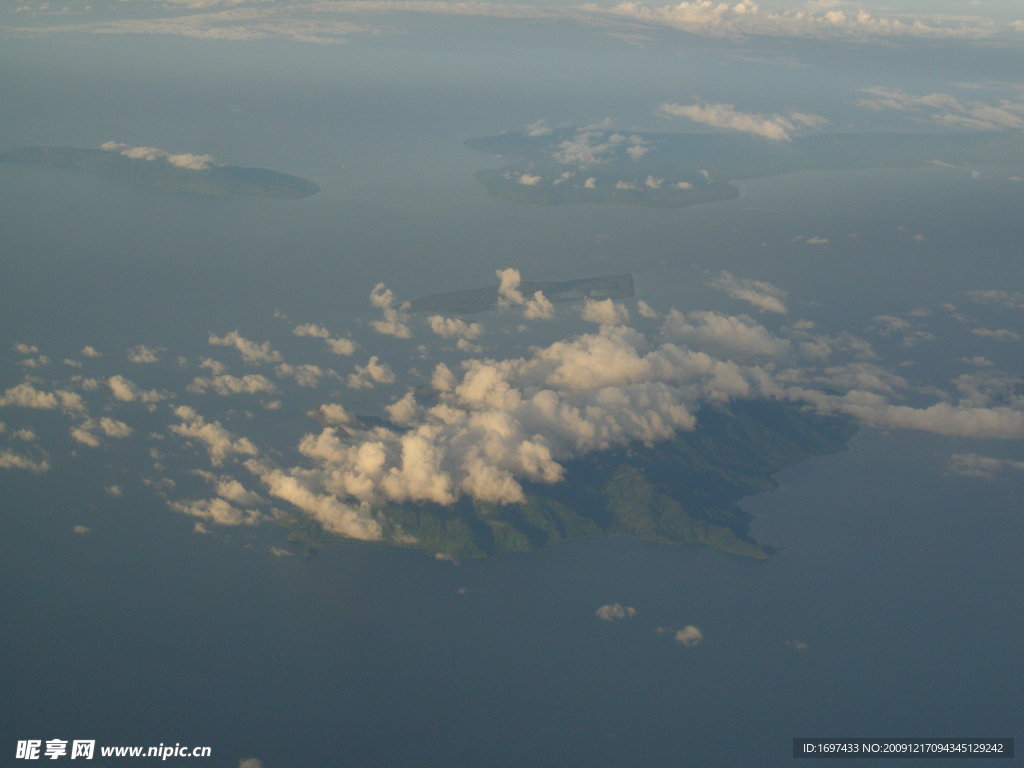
205 179
663 170
679 491
472 300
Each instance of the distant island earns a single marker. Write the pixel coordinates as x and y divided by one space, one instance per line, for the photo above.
662 170
680 491
206 179
472 300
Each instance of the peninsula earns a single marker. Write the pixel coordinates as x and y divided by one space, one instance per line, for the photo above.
157 172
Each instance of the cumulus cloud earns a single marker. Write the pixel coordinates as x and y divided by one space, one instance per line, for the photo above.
304 375
142 354
25 395
689 636
615 612
127 391
454 328
737 335
226 384
339 346
948 110
89 351
219 442
537 307
11 460
975 465
395 321
996 334
774 127
764 296
604 312
1007 299
370 375
188 161
251 351
87 433
217 510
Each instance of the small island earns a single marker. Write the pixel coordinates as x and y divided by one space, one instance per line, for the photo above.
676 170
156 171
680 491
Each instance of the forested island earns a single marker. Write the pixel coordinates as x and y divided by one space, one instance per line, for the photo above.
199 178
663 170
680 491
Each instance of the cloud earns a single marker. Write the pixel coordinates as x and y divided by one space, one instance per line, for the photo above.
615 612
764 296
395 321
339 346
332 414
948 110
218 510
89 351
226 384
738 335
370 375
127 391
997 334
537 307
219 442
746 18
86 432
975 465
454 328
188 161
81 530
604 312
528 179
142 354
25 395
11 460
251 351
689 636
773 127
250 762
1007 299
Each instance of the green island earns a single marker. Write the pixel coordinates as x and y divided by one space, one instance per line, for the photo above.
472 300
662 170
680 491
209 181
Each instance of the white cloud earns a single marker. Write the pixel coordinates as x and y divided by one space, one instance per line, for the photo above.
997 334
741 335
219 442
529 179
454 328
305 375
615 612
764 296
12 460
217 510
370 375
948 110
332 414
395 321
604 312
142 354
127 391
975 465
25 395
226 384
339 346
774 127
251 351
1007 299
689 636
187 161
89 351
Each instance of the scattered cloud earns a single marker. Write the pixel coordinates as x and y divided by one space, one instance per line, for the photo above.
11 460
219 442
689 636
615 612
975 465
396 320
948 110
764 296
188 161
251 351
142 354
773 127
